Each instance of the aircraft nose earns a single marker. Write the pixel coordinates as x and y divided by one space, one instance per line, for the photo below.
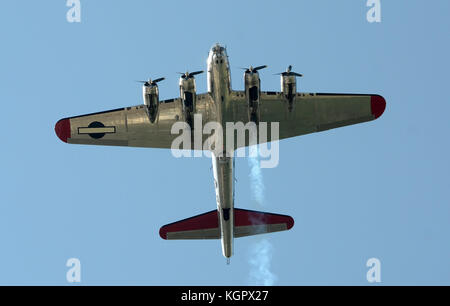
62 129
378 105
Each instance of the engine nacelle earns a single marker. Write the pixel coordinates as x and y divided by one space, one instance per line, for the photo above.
252 92
188 97
289 86
151 100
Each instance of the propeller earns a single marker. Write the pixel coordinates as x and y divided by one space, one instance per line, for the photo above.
254 69
289 72
188 75
151 82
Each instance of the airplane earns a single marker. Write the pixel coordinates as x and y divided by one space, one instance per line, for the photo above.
149 125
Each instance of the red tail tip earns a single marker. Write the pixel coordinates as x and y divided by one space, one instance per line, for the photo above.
378 105
62 129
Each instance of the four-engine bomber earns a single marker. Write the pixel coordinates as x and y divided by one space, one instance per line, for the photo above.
151 126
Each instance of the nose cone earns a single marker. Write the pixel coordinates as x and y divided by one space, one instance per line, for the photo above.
378 105
62 129
218 50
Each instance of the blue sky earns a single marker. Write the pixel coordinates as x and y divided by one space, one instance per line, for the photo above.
379 189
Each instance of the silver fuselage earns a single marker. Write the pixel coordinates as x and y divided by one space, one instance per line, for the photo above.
219 87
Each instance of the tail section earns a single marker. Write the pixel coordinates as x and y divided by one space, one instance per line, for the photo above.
246 223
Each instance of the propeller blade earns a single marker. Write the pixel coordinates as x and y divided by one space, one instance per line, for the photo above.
187 75
158 80
152 82
289 72
259 67
253 69
195 72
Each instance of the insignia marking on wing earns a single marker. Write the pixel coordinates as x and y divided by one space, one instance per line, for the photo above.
96 130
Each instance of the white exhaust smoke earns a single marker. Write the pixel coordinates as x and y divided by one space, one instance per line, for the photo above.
261 251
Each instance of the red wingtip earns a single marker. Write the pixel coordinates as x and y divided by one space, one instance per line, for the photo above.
290 223
62 129
163 232
378 105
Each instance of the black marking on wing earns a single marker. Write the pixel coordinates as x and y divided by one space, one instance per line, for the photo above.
96 124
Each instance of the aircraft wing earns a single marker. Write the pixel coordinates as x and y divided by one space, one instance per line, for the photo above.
129 126
310 112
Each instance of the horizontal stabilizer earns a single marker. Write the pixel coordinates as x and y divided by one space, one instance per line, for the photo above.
249 222
204 226
246 223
